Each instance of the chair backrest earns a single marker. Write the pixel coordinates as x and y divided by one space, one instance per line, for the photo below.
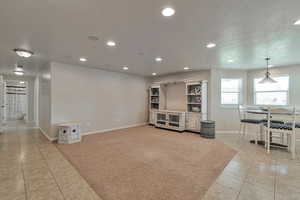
286 114
242 112
244 108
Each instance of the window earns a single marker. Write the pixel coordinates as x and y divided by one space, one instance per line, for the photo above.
272 93
231 91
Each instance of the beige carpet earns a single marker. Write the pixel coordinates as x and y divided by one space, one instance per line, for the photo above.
146 163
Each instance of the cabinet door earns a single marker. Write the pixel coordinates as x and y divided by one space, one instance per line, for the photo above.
193 122
151 117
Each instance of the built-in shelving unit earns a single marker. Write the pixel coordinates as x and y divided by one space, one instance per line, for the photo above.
196 108
190 119
156 101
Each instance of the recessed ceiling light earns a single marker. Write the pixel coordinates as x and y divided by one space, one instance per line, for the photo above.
23 53
158 59
125 68
186 68
111 43
297 22
83 59
22 82
230 60
154 74
168 12
211 45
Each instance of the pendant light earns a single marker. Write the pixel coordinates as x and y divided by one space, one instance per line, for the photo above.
267 78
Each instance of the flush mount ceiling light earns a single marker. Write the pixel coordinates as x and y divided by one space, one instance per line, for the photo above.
168 12
83 59
111 43
211 45
19 70
19 73
186 68
230 60
154 74
125 68
267 78
23 53
297 22
158 59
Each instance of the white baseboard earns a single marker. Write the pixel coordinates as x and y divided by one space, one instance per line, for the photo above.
114 129
227 132
47 136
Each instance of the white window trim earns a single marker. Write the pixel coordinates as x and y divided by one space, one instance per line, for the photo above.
240 93
288 92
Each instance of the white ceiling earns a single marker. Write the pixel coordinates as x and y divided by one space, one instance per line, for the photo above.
58 30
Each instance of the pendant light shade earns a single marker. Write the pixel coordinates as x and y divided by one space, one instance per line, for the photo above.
267 78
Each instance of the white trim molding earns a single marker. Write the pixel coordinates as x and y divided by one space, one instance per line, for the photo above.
113 129
227 132
47 136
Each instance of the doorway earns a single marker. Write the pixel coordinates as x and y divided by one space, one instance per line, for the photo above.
16 100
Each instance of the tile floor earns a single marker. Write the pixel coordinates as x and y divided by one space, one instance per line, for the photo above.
31 168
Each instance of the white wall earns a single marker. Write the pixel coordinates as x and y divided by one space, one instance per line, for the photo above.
44 97
98 99
226 117
175 97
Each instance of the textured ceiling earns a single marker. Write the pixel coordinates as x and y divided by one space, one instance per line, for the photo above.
244 30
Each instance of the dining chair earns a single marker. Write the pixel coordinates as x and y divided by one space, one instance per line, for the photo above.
244 121
288 128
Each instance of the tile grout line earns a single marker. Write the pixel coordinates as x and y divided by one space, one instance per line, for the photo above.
275 182
51 173
22 168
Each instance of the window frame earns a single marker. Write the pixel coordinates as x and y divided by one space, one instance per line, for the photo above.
287 92
240 93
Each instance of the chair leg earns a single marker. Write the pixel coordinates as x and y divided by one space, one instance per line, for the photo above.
256 136
293 145
265 136
240 130
268 139
244 129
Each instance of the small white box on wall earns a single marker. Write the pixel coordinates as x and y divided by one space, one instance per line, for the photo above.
69 133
